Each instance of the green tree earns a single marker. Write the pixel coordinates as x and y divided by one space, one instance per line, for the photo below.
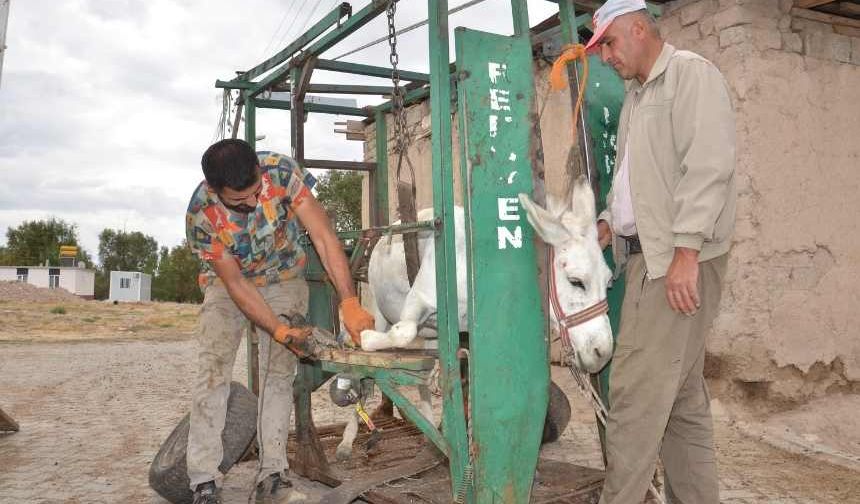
101 284
340 193
34 242
127 251
176 279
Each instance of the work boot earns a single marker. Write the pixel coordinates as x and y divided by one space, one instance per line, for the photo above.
207 493
276 488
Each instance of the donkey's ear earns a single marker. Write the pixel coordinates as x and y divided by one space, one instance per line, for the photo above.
548 226
582 202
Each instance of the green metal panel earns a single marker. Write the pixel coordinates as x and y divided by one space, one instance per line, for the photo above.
509 368
442 176
603 100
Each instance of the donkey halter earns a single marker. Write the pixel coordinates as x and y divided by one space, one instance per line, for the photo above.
567 322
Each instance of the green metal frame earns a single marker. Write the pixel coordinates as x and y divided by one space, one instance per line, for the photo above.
508 377
509 365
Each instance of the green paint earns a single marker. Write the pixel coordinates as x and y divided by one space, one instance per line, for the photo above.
442 176
369 70
509 368
603 99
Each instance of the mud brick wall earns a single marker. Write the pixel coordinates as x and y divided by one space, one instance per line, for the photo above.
788 329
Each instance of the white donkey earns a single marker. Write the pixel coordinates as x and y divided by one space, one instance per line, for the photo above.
578 292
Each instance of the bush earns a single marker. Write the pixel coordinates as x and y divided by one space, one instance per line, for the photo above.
58 310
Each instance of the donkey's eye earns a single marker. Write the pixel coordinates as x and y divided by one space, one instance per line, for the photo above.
576 283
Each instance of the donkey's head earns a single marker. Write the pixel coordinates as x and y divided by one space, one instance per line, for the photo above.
581 274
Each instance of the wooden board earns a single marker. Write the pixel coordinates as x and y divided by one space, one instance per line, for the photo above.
411 360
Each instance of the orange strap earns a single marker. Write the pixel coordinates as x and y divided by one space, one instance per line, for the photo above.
558 80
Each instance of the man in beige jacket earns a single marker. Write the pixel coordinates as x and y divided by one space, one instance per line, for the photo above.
671 212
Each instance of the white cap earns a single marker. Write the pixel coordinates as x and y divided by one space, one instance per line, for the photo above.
607 13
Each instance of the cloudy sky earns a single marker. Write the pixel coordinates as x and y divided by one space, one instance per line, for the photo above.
107 105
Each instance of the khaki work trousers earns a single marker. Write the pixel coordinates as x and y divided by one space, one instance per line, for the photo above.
659 402
219 335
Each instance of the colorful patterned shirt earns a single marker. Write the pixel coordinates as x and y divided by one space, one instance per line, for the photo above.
264 242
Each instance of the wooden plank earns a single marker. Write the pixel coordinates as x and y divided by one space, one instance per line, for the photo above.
808 4
825 18
407 359
848 9
7 423
847 30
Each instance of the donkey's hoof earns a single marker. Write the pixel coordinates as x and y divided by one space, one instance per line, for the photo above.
343 453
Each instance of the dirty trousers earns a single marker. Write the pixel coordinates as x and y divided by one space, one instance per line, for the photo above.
659 402
218 336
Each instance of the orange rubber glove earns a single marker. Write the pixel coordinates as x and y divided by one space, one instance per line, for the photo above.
355 318
297 339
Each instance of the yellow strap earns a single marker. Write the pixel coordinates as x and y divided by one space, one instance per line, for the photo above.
558 79
364 416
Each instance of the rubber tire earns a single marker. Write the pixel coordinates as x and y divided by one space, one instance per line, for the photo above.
557 414
168 474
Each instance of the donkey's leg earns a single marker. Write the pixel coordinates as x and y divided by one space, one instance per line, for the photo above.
344 449
415 311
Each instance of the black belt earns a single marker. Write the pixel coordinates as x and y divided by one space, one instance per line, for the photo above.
633 244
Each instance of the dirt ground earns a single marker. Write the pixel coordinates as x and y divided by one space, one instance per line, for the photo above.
97 389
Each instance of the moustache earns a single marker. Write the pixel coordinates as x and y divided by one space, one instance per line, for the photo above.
241 208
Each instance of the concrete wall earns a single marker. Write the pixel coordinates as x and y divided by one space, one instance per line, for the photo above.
788 329
78 281
85 282
38 277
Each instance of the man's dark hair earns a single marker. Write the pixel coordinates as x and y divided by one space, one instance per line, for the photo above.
230 163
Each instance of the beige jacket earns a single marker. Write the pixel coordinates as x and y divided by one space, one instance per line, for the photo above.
681 129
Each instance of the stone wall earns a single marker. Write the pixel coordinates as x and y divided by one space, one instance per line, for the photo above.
788 329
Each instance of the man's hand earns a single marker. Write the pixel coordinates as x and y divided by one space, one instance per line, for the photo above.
682 281
297 339
355 318
604 233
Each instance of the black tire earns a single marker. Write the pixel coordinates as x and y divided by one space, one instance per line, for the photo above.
168 474
557 414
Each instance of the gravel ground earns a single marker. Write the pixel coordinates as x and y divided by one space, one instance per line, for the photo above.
94 413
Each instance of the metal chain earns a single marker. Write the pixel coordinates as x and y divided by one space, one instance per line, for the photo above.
401 140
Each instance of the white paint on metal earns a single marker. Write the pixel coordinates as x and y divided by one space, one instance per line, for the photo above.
506 237
509 209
